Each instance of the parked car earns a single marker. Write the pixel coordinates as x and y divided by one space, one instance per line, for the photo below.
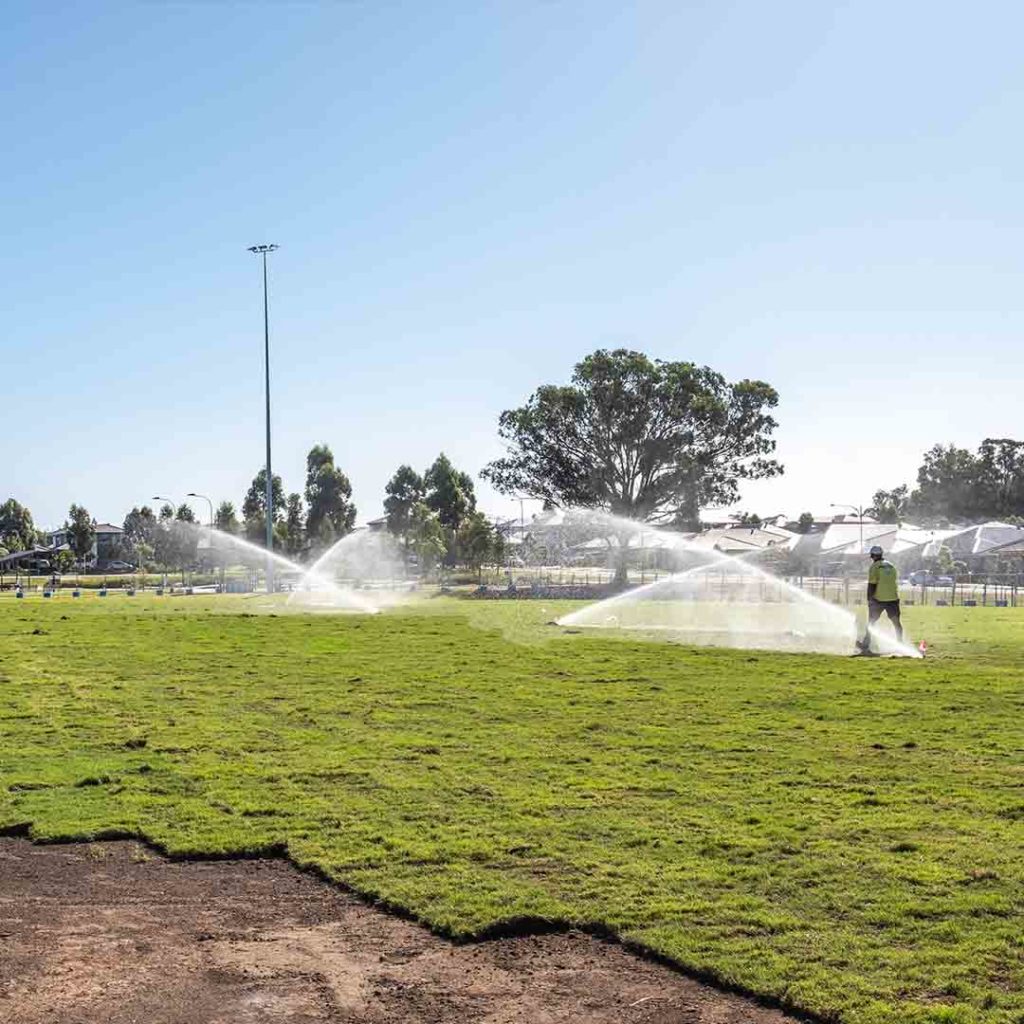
926 578
119 567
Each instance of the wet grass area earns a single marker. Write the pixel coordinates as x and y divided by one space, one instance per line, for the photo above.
841 835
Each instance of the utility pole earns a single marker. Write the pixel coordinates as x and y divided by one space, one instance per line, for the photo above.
263 250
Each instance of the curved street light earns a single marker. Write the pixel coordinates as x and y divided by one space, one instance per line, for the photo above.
193 494
174 508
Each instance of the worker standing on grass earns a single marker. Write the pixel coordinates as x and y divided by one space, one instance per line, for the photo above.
883 596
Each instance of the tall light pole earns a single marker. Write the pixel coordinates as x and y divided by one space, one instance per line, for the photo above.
262 251
860 510
192 494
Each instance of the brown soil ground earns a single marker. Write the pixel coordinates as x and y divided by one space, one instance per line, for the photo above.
112 933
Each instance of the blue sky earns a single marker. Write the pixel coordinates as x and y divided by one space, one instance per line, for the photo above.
471 197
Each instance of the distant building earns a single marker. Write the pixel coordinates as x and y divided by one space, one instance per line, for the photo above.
1012 552
973 541
746 540
37 559
107 544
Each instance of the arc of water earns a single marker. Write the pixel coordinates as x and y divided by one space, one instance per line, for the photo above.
259 552
843 618
715 560
317 573
313 573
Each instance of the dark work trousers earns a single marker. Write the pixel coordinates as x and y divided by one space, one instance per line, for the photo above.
892 609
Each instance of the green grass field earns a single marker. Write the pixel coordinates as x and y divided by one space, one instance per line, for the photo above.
842 835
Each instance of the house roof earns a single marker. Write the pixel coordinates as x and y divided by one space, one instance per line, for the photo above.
1015 547
975 540
36 552
740 539
845 538
106 528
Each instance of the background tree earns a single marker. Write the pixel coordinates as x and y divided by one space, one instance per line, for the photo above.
955 485
294 524
1001 470
63 561
449 493
17 531
225 518
254 508
948 485
478 542
164 541
405 490
139 527
648 440
330 513
81 528
805 523
890 506
428 537
142 554
186 539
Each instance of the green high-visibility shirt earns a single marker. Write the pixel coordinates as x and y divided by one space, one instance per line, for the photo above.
883 575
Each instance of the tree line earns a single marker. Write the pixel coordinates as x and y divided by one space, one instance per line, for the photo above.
957 486
433 515
646 439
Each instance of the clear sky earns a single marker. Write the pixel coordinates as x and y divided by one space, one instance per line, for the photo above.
469 197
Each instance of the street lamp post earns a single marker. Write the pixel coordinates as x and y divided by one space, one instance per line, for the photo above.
192 494
174 508
174 513
860 510
262 251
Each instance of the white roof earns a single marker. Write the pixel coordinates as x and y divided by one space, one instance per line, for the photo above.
845 538
746 538
975 540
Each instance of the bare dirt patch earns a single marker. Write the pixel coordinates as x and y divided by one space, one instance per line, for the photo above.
111 933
